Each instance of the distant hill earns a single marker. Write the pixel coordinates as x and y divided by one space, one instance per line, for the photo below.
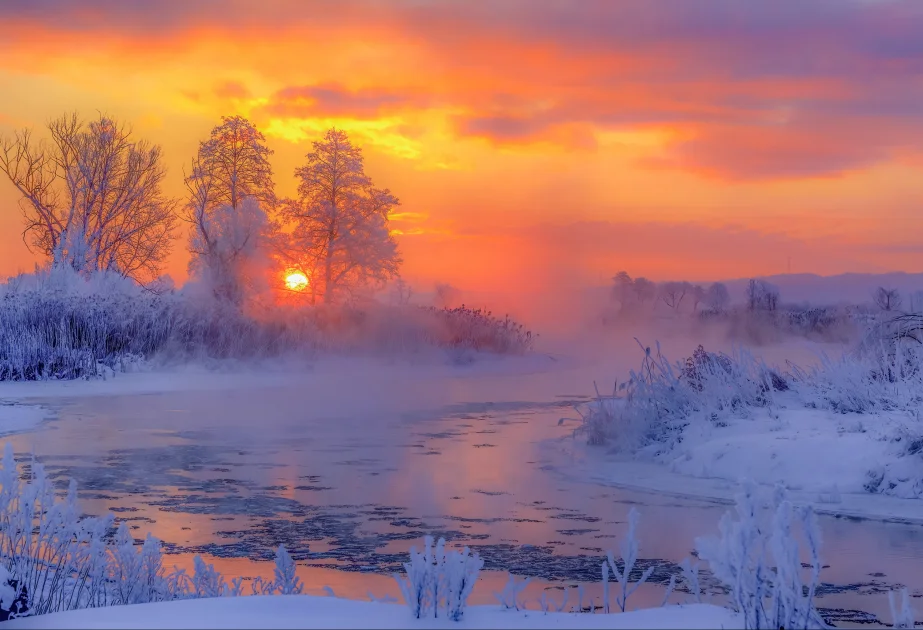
852 288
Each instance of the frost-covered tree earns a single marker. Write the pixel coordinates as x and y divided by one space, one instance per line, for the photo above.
235 160
230 186
91 197
887 299
340 221
229 249
717 296
762 295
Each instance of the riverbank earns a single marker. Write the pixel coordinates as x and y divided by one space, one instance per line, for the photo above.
306 611
833 462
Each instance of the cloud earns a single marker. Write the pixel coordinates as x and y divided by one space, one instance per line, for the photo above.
752 90
332 100
789 150
232 90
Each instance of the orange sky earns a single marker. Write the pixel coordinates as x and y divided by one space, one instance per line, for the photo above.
529 140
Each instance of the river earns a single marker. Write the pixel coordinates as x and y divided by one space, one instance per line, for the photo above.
352 463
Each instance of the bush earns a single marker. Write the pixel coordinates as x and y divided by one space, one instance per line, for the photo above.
760 564
660 399
53 559
60 326
439 582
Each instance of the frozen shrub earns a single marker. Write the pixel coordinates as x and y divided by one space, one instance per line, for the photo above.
54 326
480 330
286 582
661 398
691 578
206 581
759 562
509 596
438 582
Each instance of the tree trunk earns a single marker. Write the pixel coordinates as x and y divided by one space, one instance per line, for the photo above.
328 272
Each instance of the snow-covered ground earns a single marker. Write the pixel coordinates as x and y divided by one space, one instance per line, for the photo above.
825 459
15 418
306 611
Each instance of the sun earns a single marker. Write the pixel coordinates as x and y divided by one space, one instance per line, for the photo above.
296 281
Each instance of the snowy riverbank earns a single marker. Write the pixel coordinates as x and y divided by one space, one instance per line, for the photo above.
15 418
306 611
834 462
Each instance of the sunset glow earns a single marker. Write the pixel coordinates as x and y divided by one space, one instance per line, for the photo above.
528 139
296 281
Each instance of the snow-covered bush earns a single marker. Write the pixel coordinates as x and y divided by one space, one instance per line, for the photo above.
53 330
884 373
438 582
476 329
760 563
54 559
59 325
286 582
661 398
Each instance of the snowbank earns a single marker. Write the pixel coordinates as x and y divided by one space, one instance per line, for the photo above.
307 611
844 435
825 459
17 418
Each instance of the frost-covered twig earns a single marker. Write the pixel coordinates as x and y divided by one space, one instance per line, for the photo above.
509 596
902 618
629 551
691 578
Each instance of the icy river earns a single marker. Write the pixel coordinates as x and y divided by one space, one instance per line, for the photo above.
352 463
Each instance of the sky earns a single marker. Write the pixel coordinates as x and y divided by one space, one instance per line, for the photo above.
531 142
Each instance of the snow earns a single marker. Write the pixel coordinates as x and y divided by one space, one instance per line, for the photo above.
15 418
308 611
823 458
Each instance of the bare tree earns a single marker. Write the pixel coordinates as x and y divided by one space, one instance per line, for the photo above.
754 294
698 296
887 299
717 297
92 197
644 290
672 293
229 185
445 295
402 292
771 297
341 220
